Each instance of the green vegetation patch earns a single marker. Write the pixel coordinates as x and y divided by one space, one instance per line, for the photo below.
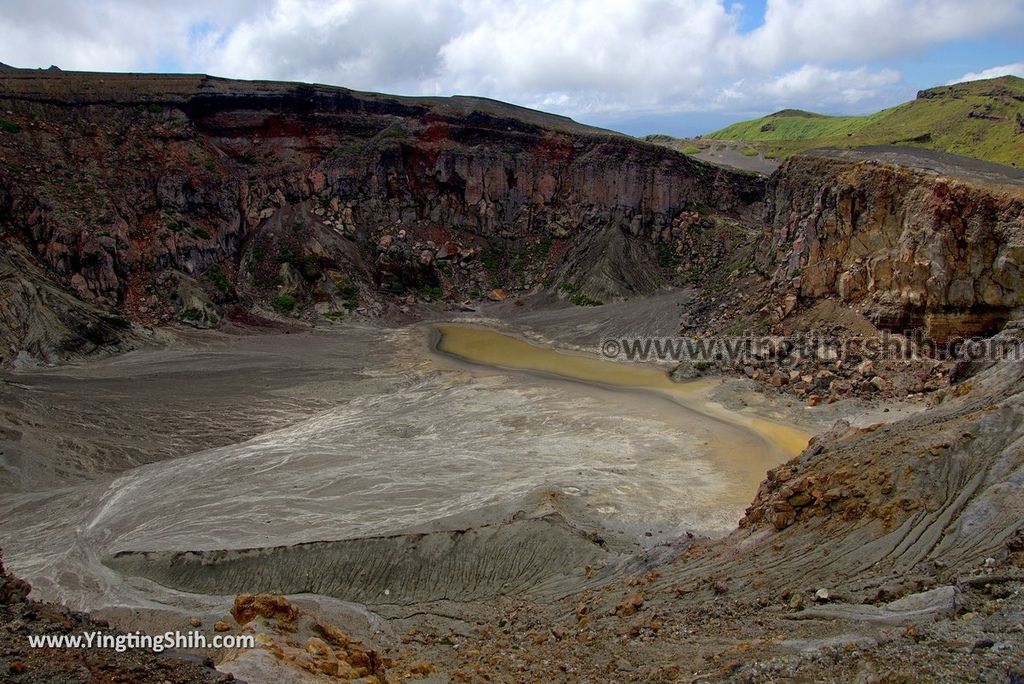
393 132
668 257
347 290
9 126
176 226
975 119
283 303
489 260
542 249
431 292
216 276
577 297
308 265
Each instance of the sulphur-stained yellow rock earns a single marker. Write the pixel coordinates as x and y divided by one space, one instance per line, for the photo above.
318 647
249 606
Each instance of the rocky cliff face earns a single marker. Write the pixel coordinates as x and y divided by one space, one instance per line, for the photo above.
129 199
907 247
160 197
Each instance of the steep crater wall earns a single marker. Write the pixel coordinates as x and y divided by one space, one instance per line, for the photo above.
178 197
909 248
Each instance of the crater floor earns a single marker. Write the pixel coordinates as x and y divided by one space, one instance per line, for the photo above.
360 441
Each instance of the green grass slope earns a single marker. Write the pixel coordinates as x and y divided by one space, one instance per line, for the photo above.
981 119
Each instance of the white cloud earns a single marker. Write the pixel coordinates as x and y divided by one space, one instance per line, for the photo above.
866 30
578 57
828 85
1016 69
109 35
636 52
391 46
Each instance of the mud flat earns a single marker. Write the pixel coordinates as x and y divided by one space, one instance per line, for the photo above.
516 463
534 516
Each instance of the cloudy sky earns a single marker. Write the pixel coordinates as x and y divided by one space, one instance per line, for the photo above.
640 66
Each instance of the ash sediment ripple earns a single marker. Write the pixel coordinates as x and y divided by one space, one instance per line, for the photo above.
528 556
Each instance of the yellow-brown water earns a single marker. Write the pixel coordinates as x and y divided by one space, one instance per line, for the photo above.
745 445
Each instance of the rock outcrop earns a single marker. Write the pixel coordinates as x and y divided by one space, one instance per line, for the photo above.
908 248
874 268
12 589
40 321
296 646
